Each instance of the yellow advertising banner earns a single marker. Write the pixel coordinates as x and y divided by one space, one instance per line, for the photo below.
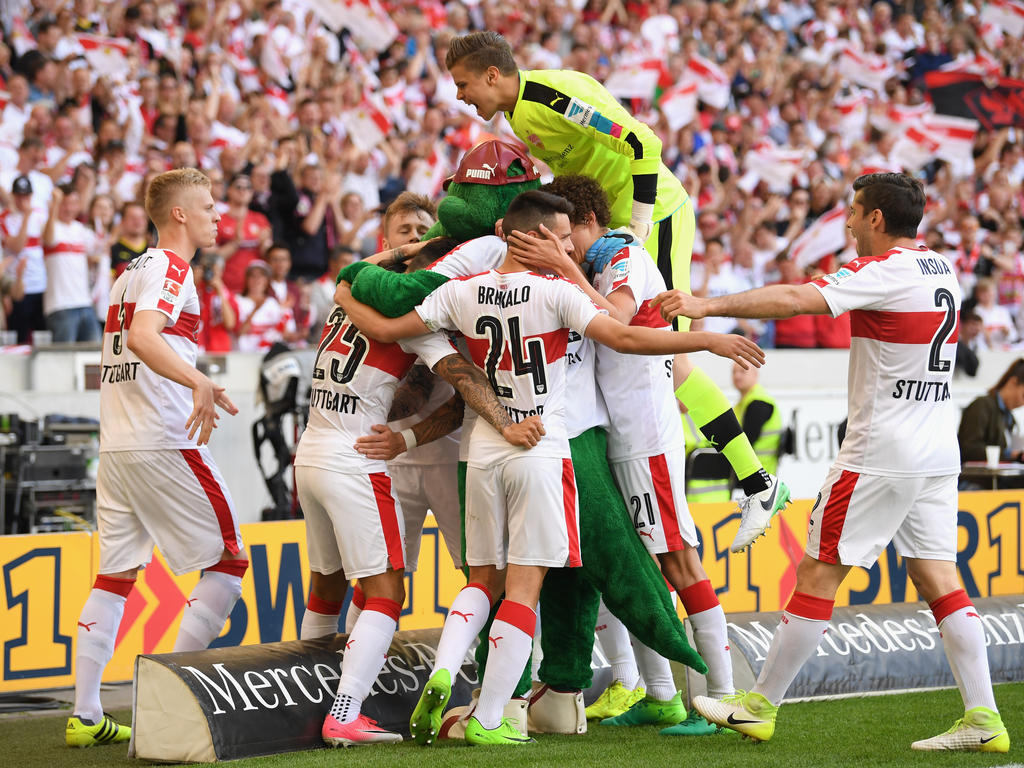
47 577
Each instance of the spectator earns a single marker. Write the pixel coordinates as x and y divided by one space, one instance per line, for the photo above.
989 420
322 293
132 238
796 332
218 308
999 330
243 235
314 224
69 247
969 343
291 295
21 231
262 320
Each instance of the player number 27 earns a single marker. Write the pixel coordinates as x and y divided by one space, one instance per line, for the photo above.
527 359
943 300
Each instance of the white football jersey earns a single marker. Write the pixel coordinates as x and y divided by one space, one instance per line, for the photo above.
516 326
585 409
637 388
444 450
67 266
354 381
139 409
904 308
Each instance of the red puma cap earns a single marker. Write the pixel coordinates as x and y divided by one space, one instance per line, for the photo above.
488 163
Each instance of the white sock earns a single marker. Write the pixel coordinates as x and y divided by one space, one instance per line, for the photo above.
796 639
963 639
97 630
355 607
656 671
320 619
511 639
207 609
710 635
614 639
365 654
466 618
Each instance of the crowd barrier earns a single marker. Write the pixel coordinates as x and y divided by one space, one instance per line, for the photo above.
47 577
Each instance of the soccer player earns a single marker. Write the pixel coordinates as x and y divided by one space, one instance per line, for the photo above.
568 120
157 482
520 510
646 450
354 523
895 478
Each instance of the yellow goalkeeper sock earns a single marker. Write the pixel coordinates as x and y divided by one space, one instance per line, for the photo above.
715 418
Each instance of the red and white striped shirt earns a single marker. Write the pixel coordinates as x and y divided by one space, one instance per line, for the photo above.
139 409
904 315
34 278
67 266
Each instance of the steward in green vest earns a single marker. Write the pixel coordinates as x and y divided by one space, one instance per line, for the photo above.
703 490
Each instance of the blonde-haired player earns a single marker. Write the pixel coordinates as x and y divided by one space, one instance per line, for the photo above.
157 481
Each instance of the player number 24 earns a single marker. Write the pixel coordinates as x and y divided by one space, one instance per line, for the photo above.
527 359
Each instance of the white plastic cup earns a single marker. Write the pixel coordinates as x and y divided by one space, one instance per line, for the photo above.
992 453
42 338
8 338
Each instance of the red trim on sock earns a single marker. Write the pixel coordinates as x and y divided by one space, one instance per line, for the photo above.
518 615
483 589
383 605
699 597
230 567
321 606
115 585
358 597
810 607
947 604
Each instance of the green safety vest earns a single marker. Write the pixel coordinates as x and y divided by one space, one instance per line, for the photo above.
702 491
767 445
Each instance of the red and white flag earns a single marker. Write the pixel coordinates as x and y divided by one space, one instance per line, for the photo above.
1006 15
981 63
713 85
679 104
853 113
278 99
825 236
368 126
775 166
914 149
107 55
634 81
867 69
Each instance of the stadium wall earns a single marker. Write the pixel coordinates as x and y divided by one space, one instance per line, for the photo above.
46 578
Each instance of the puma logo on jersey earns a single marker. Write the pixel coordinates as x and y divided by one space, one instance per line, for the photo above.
180 271
559 97
87 627
464 616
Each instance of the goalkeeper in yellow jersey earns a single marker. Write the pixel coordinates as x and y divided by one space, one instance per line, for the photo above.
568 120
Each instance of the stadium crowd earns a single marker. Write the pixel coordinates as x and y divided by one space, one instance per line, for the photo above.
310 116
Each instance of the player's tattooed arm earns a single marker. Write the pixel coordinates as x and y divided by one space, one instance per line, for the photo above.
470 382
385 444
412 393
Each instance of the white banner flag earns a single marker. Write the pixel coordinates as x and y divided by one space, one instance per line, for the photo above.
679 104
825 236
713 85
370 25
853 113
633 81
107 55
1006 15
368 125
866 69
775 166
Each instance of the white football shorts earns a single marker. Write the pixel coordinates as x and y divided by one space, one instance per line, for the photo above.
855 516
655 494
174 498
523 510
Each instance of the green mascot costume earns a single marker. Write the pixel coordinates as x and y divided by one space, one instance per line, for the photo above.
616 566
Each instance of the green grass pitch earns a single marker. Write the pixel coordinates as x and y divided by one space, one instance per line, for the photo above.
869 732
